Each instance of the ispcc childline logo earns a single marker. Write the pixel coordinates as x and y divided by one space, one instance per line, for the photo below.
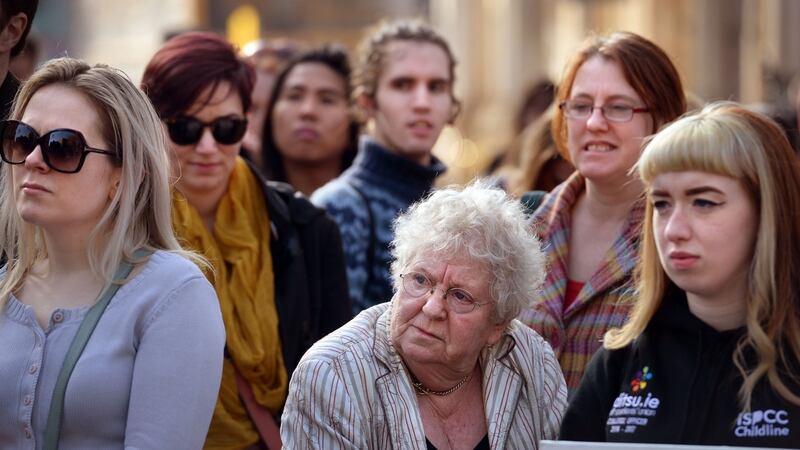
762 422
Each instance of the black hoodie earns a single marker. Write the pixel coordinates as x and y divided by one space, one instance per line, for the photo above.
677 383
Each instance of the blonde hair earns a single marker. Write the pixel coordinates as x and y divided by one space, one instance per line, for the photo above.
529 154
726 139
139 214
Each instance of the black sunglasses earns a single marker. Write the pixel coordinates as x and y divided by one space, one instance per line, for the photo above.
63 150
185 130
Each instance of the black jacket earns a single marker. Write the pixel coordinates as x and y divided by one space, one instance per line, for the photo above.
677 383
311 293
8 90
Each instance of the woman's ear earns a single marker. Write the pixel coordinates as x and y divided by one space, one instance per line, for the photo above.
115 180
497 332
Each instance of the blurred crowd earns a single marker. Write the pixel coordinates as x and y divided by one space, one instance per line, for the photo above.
245 250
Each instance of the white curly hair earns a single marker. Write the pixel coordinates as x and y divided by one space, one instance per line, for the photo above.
483 224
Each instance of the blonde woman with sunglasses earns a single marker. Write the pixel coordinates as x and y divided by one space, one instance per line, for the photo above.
111 336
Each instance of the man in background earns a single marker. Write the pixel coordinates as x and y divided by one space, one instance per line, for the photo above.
403 84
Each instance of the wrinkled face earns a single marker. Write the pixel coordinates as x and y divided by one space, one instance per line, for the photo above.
55 201
413 100
705 228
205 167
425 331
602 150
311 118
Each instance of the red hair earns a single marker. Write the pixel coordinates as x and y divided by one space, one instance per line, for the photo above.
646 67
189 63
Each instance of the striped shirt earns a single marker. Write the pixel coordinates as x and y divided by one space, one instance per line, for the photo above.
576 333
352 391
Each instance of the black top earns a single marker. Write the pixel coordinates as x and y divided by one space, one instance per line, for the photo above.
482 445
311 294
677 383
8 90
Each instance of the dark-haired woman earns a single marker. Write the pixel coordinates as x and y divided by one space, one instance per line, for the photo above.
310 136
279 268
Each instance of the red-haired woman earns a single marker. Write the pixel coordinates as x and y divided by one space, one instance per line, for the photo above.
279 267
615 91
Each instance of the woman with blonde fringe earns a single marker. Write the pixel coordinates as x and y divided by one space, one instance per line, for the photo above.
111 336
711 352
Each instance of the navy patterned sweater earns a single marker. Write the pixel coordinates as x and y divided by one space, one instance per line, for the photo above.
389 184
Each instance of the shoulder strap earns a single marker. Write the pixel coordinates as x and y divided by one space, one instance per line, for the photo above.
372 239
531 200
88 324
265 424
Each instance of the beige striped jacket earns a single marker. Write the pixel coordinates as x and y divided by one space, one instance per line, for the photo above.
352 391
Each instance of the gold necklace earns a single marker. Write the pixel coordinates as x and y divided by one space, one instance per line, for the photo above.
441 417
423 390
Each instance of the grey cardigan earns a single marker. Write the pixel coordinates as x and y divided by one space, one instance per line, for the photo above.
147 379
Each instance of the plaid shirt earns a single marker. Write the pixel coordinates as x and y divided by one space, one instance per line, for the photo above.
604 301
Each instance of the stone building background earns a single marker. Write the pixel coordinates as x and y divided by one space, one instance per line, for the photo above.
743 50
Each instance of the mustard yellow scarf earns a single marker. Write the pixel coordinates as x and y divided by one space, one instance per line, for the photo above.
238 250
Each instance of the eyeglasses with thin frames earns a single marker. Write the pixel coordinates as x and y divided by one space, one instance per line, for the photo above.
417 284
615 112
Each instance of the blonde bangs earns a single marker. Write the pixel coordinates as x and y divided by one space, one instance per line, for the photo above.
718 144
727 139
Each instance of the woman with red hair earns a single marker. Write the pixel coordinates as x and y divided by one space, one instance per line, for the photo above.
616 90
277 260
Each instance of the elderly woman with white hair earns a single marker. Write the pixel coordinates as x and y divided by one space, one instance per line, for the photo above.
444 364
